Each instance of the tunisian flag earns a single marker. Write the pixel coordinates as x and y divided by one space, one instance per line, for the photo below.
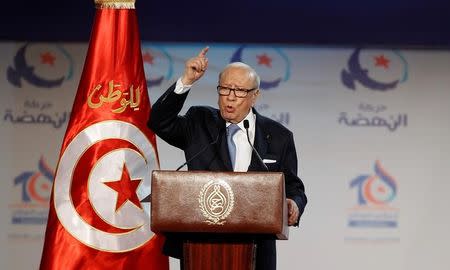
96 218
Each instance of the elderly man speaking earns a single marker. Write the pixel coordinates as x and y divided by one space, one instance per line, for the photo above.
238 90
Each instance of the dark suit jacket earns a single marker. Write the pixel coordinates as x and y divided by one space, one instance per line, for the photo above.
201 126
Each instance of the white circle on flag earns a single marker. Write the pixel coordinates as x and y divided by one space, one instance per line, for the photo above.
102 198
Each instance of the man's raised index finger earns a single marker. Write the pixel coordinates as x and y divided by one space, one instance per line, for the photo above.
203 52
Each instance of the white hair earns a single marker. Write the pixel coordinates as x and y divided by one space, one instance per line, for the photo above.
251 72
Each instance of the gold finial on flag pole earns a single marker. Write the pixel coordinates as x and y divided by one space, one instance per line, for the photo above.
115 4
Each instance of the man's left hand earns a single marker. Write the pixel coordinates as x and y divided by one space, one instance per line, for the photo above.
293 212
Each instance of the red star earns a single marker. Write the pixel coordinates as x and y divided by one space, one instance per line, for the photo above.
381 189
125 188
45 187
147 57
47 58
264 60
382 61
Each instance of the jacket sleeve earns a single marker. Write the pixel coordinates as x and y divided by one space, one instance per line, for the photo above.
295 189
165 120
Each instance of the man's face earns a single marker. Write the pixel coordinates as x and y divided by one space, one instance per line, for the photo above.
234 109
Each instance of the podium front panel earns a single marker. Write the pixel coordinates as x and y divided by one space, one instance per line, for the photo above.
219 202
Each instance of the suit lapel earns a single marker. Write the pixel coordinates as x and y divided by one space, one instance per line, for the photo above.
224 154
260 143
221 146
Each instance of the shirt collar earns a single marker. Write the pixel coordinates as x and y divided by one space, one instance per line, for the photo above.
251 117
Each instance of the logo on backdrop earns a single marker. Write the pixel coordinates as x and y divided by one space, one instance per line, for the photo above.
36 112
379 70
35 189
41 65
271 64
374 200
158 65
373 116
282 117
377 189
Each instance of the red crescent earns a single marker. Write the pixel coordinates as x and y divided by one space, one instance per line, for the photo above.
32 189
79 194
367 191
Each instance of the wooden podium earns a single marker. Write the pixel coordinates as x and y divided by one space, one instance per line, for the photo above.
222 212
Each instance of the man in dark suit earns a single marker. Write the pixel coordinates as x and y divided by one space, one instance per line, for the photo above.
208 127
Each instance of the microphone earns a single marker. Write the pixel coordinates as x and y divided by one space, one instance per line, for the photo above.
202 150
246 126
149 197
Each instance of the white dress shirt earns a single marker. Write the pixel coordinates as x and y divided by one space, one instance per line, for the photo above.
243 148
181 88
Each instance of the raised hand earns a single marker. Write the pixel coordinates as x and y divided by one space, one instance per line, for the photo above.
195 67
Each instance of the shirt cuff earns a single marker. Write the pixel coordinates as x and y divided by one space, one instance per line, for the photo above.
181 88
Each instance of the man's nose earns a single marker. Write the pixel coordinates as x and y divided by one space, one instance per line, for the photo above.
232 95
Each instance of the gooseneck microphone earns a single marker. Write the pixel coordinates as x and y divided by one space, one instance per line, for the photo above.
246 126
202 150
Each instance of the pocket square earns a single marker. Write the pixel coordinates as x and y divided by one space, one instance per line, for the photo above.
269 160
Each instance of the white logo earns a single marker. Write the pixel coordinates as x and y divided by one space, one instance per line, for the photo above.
130 224
216 201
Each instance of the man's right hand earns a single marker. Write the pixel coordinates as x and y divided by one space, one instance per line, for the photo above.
195 67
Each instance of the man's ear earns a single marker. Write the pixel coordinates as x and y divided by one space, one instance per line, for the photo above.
255 96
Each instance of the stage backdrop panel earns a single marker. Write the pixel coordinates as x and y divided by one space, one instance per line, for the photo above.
371 129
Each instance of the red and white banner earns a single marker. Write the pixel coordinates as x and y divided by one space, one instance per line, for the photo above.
96 218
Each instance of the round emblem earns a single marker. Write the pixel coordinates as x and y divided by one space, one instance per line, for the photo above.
90 213
216 201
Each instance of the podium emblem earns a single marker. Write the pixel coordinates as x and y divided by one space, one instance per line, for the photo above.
216 201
